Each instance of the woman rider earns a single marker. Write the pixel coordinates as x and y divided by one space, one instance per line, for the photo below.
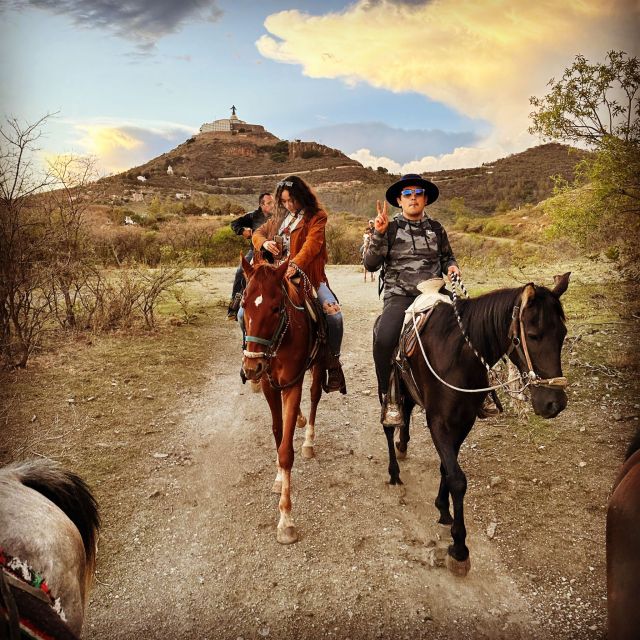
300 222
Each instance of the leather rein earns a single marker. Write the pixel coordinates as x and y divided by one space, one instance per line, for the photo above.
518 343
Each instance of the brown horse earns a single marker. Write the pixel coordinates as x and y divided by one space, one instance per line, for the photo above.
623 549
526 323
280 347
48 528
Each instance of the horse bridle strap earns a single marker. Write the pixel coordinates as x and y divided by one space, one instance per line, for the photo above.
519 344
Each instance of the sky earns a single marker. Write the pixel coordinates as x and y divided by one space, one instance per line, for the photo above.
410 85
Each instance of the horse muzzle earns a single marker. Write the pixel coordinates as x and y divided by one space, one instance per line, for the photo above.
253 368
548 403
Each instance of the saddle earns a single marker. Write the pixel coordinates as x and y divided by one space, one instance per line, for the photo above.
420 310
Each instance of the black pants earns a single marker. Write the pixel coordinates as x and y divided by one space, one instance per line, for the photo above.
239 283
386 335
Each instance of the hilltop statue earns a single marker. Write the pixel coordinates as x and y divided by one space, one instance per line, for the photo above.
233 109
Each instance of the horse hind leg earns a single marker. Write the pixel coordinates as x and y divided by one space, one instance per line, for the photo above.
404 437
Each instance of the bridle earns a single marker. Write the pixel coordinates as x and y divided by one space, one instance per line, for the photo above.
273 344
517 343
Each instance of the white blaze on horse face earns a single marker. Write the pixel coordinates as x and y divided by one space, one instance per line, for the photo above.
258 301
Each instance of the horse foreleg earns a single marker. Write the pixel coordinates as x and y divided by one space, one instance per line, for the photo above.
394 467
286 532
274 399
456 482
442 499
308 450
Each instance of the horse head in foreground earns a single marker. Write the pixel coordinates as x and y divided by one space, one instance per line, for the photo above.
280 346
449 378
49 524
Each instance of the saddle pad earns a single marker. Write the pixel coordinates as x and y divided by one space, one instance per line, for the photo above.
427 299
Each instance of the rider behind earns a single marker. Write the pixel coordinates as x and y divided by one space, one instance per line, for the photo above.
411 248
245 226
299 223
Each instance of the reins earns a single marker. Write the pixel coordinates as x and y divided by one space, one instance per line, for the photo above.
517 343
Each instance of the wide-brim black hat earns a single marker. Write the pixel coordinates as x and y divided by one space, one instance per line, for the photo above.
393 192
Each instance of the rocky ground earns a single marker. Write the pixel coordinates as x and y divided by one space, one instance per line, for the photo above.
181 457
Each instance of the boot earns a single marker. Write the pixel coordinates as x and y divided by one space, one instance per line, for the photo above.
335 377
392 414
234 305
488 409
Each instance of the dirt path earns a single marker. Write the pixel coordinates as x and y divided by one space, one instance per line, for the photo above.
198 556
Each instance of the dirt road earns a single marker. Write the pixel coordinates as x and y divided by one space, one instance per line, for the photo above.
188 548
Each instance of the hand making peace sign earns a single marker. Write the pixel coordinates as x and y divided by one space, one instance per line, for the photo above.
382 219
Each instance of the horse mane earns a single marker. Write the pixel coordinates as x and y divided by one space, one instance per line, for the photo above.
634 445
488 317
68 492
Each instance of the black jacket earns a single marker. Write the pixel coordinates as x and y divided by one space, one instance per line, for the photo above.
251 220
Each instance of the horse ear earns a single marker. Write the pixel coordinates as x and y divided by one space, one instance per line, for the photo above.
528 293
561 284
246 266
282 269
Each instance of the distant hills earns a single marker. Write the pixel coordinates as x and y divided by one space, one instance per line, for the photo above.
243 164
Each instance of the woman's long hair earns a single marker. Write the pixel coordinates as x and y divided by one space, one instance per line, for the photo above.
301 192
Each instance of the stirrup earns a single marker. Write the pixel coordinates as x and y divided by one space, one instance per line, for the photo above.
334 380
392 414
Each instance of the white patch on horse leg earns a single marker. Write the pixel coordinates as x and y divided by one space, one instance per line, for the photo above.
258 301
308 450
277 483
286 532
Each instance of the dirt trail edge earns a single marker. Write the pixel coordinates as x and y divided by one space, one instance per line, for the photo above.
199 557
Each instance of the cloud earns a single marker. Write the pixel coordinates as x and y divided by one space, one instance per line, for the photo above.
121 146
483 59
459 158
142 21
403 145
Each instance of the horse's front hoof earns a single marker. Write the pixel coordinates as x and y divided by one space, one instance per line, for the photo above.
277 487
301 421
400 453
459 568
308 451
287 535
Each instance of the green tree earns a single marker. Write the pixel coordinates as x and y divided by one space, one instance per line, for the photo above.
596 105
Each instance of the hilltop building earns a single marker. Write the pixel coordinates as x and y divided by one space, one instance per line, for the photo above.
231 125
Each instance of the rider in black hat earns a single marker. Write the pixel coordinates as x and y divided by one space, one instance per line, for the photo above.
411 248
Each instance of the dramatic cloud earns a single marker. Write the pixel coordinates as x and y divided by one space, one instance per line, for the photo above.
121 146
460 158
404 145
142 21
483 59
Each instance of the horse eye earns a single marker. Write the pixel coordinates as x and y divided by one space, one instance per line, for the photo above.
533 336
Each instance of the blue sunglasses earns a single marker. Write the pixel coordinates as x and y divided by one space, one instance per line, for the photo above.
408 192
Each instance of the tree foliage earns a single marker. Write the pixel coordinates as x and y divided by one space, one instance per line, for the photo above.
597 105
591 102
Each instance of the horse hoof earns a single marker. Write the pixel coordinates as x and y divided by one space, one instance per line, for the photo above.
457 567
400 454
256 386
301 421
287 535
277 487
308 451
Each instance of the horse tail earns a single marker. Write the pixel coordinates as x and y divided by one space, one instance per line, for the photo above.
70 493
634 445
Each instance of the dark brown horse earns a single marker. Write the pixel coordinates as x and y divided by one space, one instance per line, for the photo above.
280 347
527 323
623 549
